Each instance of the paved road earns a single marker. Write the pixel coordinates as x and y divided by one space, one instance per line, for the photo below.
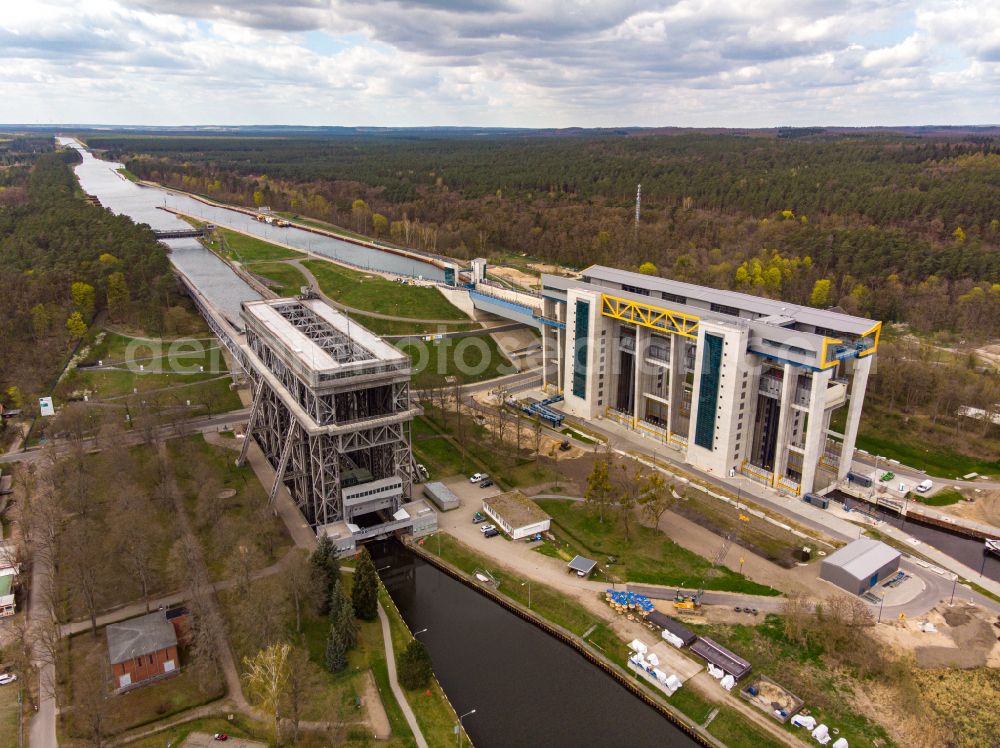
42 730
195 425
390 662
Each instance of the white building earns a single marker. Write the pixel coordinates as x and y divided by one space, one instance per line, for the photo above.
735 383
516 514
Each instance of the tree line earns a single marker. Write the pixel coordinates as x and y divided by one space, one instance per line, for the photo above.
875 215
64 261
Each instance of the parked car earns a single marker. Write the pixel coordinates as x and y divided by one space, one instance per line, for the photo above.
220 736
491 533
924 486
478 517
486 483
486 528
476 477
887 476
7 678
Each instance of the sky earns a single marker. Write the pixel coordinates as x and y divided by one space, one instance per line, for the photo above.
501 63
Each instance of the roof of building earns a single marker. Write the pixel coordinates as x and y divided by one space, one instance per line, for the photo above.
441 495
579 563
713 652
665 622
776 308
516 509
319 336
139 636
862 556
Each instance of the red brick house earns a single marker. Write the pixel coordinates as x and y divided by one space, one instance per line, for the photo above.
142 649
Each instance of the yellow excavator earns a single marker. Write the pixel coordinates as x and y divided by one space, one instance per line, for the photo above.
684 602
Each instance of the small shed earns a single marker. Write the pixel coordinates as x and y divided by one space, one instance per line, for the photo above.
142 649
441 495
715 654
583 567
860 565
516 514
673 631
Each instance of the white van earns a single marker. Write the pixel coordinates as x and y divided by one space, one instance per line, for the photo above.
925 486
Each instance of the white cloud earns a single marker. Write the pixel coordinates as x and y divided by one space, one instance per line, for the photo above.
501 62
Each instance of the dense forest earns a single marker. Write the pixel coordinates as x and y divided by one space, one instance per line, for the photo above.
63 262
904 227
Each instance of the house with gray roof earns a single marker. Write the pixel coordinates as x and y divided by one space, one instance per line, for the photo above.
142 649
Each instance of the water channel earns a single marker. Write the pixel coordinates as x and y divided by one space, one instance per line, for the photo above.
212 276
526 687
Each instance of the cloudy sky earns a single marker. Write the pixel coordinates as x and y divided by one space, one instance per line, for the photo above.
529 63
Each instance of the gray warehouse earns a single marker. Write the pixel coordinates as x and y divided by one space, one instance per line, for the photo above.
860 565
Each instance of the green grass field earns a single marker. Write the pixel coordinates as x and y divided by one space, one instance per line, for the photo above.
8 715
649 556
186 369
482 452
804 672
947 497
373 293
469 359
246 249
289 276
933 459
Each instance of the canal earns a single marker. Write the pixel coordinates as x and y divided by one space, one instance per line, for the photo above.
143 205
526 687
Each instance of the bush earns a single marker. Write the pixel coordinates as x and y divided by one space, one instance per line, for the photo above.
415 666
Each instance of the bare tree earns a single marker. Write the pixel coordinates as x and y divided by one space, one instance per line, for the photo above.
85 564
301 584
656 498
303 679
629 487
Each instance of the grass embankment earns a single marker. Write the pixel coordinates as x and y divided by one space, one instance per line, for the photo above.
470 359
84 657
434 713
945 497
181 370
647 557
317 224
247 249
459 435
554 606
205 475
373 293
934 448
804 672
289 279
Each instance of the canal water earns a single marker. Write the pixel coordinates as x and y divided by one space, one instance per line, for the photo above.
144 205
527 688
